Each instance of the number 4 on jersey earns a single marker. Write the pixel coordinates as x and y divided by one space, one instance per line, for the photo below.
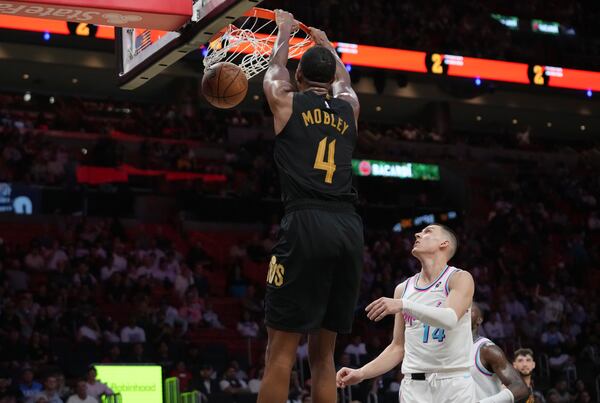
320 163
438 334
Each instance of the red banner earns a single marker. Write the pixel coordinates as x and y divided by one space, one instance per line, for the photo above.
99 175
156 14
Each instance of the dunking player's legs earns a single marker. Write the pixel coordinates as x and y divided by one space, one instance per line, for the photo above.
321 346
281 356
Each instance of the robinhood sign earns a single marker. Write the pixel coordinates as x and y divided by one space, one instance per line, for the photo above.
401 170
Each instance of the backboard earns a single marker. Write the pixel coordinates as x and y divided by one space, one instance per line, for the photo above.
142 53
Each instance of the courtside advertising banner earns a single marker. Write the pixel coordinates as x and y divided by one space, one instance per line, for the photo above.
135 383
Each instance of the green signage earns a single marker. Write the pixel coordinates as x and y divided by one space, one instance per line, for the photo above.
509 21
546 27
401 170
135 383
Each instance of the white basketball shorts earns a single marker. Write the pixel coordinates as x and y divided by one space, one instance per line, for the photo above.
439 387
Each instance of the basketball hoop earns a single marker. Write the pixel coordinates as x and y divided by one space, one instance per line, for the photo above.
250 43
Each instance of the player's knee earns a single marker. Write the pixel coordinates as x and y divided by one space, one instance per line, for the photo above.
279 358
320 359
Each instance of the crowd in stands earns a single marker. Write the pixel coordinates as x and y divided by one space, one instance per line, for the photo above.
29 155
458 27
92 291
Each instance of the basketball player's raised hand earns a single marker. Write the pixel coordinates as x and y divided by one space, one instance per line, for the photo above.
348 376
285 18
319 37
383 306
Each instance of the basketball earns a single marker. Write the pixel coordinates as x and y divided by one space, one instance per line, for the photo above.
224 85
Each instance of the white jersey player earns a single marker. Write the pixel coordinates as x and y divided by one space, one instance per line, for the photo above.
496 381
432 329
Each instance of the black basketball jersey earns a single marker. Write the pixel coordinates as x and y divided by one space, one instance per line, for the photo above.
313 152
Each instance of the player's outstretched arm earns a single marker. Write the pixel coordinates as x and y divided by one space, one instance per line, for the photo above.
342 85
493 357
459 300
388 359
277 85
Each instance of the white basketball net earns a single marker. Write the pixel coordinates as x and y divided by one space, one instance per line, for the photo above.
250 46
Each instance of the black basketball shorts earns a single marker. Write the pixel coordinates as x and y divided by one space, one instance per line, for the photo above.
314 273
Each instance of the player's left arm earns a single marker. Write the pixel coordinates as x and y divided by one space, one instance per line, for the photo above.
460 298
342 84
277 84
492 357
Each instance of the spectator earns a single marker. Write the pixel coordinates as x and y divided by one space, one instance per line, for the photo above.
180 372
161 272
552 337
63 390
531 327
231 385
138 354
251 302
84 277
56 256
562 389
111 332
114 355
206 385
183 280
494 328
95 388
109 268
9 393
239 372
191 310
34 259
50 391
553 307
211 318
514 307
254 383
28 387
356 350
247 327
132 333
163 357
81 395
552 396
90 332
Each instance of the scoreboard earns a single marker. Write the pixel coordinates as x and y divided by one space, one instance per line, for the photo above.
426 62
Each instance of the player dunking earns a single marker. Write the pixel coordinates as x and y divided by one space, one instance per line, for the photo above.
314 274
492 369
432 328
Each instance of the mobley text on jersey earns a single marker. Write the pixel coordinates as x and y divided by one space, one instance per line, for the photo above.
321 117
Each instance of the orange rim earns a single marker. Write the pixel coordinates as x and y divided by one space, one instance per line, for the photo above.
265 14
